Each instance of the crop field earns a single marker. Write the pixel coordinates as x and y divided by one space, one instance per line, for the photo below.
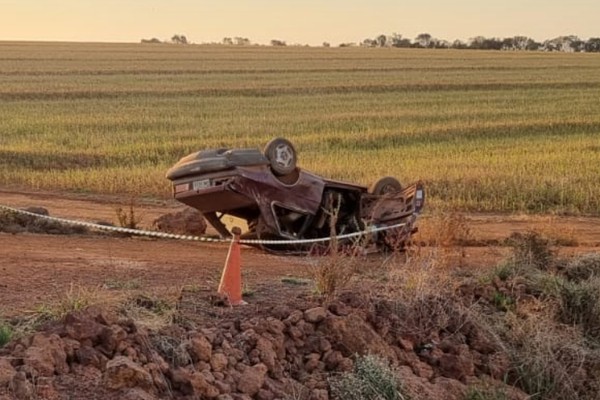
486 131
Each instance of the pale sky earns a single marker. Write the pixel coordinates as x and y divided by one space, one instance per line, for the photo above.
295 21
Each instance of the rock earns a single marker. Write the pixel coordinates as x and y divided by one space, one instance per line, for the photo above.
324 345
87 355
281 311
295 333
315 315
338 308
352 335
222 386
137 394
252 379
218 362
457 366
186 222
44 389
312 362
275 326
479 341
266 352
200 348
319 394
37 210
7 372
423 370
417 388
46 355
21 387
406 344
294 317
307 328
332 359
110 338
265 395
87 373
71 346
451 388
346 365
158 378
121 373
194 383
79 326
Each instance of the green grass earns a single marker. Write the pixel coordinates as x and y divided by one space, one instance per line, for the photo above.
486 131
6 333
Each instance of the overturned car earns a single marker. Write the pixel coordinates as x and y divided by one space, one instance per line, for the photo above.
281 201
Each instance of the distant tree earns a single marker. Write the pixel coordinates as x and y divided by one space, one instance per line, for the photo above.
227 41
592 45
347 44
423 40
241 41
179 39
440 44
381 40
369 43
509 44
459 44
483 43
276 42
398 41
567 44
521 42
577 44
153 40
326 44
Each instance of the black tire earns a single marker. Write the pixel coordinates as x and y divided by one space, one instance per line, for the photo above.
281 155
385 185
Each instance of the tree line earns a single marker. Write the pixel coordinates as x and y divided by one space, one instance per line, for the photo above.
570 43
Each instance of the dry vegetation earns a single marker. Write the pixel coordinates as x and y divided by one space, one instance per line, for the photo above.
528 328
485 130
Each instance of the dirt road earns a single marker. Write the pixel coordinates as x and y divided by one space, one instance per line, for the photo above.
36 270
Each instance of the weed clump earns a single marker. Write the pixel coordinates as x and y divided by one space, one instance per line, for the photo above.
531 250
372 379
12 222
580 305
6 334
583 267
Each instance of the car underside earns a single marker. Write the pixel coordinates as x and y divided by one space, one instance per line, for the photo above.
290 203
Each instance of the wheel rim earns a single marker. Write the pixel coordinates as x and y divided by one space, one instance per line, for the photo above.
284 155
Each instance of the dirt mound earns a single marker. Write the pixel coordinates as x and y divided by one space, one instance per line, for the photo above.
12 222
286 351
186 222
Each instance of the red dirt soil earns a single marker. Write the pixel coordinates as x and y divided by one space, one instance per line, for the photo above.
39 269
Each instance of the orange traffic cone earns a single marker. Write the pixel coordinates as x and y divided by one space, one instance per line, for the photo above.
231 280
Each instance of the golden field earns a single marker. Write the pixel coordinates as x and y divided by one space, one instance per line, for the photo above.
486 131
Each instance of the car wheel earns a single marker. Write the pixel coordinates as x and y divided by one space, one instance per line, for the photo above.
385 185
282 156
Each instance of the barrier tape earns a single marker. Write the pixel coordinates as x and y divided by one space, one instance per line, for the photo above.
164 235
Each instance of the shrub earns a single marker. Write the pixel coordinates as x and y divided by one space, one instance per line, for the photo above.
583 267
372 379
531 250
580 305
